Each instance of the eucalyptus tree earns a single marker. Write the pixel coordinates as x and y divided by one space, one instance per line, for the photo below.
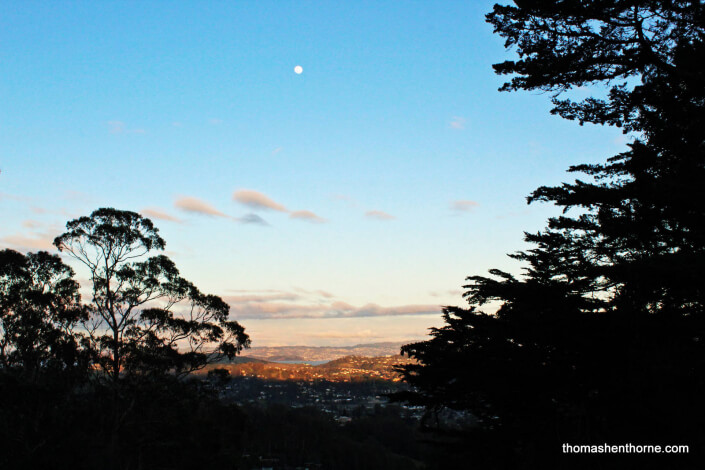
145 318
40 312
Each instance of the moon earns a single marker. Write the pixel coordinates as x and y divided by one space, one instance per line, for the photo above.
298 70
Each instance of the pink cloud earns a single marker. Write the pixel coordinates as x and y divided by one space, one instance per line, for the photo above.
457 122
307 216
196 206
160 215
257 200
268 310
31 224
463 205
24 243
379 215
248 298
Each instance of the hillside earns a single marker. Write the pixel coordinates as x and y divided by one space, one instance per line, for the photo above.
345 369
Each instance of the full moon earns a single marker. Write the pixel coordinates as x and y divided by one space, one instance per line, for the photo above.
298 69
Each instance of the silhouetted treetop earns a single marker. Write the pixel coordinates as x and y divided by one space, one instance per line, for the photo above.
603 336
118 235
634 46
40 310
146 317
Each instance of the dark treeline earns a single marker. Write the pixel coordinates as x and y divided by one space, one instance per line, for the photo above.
100 384
602 339
106 383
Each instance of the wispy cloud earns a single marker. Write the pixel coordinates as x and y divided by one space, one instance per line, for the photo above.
314 293
12 197
277 150
379 215
257 200
451 292
31 224
346 334
463 205
197 206
160 214
307 216
252 219
20 242
282 305
259 297
457 122
119 127
38 210
215 121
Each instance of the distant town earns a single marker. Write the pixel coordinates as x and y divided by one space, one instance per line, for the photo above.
343 387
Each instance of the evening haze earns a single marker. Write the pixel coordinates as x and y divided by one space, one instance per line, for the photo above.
333 172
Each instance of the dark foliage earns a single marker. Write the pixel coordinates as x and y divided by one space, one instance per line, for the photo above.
40 309
154 424
603 338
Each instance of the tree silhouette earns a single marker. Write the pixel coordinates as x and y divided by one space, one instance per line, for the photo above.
40 310
603 335
145 318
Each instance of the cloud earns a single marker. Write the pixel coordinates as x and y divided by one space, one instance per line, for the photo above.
277 150
33 243
252 219
452 292
345 334
196 206
160 215
38 210
258 298
215 121
379 215
457 122
119 127
307 216
463 206
315 293
270 309
31 224
12 197
257 200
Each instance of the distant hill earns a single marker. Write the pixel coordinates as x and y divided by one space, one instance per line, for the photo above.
322 353
343 369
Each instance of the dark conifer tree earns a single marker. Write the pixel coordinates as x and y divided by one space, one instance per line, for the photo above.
603 336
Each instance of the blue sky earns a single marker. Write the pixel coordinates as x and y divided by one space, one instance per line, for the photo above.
338 206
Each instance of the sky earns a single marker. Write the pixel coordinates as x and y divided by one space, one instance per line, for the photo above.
339 206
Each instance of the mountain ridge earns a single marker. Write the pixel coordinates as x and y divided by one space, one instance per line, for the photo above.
322 353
